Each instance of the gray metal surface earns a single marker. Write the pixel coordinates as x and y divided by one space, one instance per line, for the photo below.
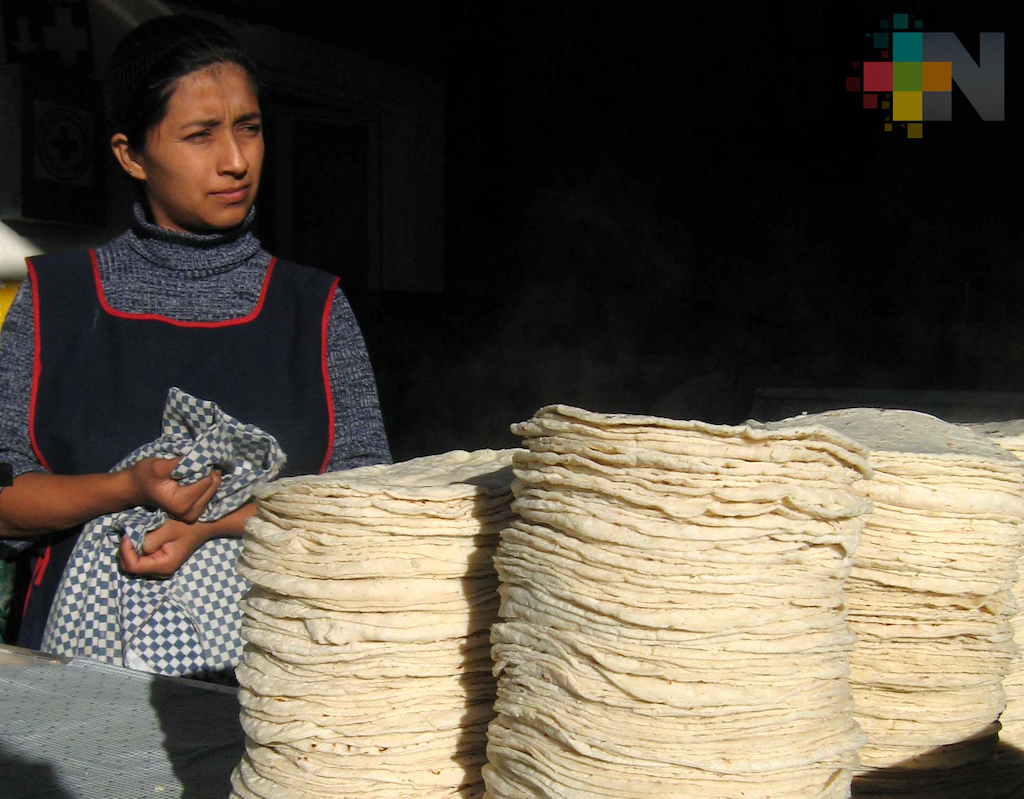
87 730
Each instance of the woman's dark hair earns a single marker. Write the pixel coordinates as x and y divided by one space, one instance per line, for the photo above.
149 61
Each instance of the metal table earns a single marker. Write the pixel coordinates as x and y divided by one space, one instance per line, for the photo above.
81 729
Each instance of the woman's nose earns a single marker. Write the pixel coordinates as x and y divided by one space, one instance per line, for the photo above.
232 158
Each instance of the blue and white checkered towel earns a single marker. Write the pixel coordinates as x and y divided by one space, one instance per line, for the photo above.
189 623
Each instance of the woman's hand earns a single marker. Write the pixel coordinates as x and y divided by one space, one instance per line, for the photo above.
154 487
164 549
38 502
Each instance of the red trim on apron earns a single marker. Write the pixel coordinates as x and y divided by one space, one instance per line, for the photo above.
176 322
327 377
37 366
37 577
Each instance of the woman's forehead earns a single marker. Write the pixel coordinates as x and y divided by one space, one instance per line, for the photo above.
215 86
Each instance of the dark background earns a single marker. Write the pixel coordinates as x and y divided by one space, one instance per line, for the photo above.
665 207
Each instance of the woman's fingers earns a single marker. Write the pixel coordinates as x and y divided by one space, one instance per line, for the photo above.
162 467
153 481
157 488
130 562
156 564
125 558
206 488
155 539
164 550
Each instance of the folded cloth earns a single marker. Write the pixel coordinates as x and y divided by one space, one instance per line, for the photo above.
188 624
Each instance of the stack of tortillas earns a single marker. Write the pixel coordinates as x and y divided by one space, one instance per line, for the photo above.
1008 770
930 601
673 621
367 668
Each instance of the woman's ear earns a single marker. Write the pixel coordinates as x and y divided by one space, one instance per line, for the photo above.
126 158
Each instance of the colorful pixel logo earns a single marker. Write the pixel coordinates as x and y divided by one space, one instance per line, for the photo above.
912 82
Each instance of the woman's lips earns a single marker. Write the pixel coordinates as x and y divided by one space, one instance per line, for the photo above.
232 195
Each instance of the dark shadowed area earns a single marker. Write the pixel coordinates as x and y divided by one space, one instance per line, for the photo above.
664 207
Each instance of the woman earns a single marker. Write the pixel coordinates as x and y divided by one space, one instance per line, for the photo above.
185 298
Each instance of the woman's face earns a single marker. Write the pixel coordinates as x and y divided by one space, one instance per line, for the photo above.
201 164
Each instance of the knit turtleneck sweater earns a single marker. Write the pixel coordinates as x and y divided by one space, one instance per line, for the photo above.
196 278
190 277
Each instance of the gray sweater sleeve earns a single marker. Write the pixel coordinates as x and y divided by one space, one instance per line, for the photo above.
17 352
359 437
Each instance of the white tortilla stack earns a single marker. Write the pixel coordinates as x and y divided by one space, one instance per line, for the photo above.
1008 769
930 600
367 668
672 614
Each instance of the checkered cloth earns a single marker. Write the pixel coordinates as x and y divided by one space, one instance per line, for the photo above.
188 624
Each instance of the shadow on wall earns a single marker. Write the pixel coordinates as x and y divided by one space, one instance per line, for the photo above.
600 292
594 305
